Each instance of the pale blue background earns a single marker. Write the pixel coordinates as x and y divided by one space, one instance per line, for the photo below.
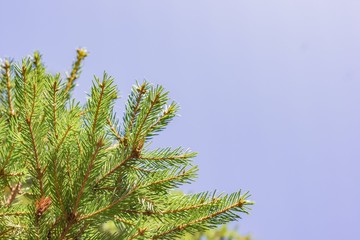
270 93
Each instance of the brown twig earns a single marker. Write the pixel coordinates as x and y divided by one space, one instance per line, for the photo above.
14 191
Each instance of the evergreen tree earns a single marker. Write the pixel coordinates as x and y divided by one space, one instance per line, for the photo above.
66 169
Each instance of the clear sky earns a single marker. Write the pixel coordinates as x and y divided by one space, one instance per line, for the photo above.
270 93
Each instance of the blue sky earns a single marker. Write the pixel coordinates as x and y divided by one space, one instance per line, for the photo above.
269 92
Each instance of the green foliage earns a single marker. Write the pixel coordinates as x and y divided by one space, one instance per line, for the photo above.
223 233
66 169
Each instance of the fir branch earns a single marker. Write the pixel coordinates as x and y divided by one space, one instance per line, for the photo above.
37 60
79 146
152 104
113 130
8 87
68 166
164 118
22 77
54 108
82 169
24 82
124 221
166 154
81 54
7 160
15 174
57 187
86 176
114 169
182 175
97 212
181 227
172 179
101 95
36 155
140 90
13 214
68 129
33 103
142 169
173 211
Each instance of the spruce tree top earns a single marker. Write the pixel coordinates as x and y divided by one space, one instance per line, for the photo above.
66 169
